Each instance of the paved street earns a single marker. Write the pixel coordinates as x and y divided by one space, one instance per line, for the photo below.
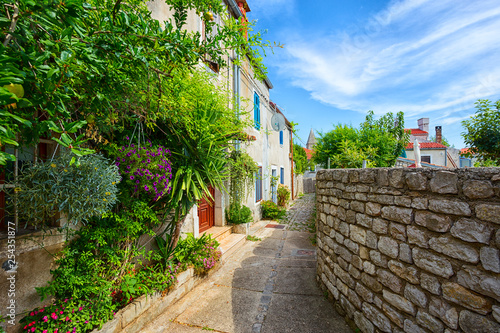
266 286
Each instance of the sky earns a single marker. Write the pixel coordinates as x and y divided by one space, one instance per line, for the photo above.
340 59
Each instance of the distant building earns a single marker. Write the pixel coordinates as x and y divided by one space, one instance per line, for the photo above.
432 154
311 142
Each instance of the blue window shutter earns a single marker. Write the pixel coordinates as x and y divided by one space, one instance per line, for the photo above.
256 110
281 137
282 176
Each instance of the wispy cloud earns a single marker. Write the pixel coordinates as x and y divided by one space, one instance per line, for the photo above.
417 56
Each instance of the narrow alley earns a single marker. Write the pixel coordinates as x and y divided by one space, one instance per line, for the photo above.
267 286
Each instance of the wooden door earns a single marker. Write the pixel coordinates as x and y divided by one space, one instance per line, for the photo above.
206 212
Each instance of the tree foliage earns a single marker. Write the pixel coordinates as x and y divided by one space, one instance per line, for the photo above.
299 159
482 132
379 142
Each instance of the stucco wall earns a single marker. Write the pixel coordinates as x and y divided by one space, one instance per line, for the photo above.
413 250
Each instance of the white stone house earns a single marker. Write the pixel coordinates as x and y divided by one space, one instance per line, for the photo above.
270 149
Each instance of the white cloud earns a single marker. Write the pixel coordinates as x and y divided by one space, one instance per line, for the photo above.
417 56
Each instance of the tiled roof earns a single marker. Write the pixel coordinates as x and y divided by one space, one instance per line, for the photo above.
427 145
416 131
465 151
309 153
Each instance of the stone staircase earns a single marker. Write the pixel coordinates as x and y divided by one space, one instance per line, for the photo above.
229 240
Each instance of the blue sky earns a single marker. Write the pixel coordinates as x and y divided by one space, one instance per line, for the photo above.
427 58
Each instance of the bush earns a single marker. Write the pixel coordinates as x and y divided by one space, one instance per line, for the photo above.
238 214
202 253
283 195
80 189
272 211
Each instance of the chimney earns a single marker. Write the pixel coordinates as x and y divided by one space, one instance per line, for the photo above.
439 136
423 124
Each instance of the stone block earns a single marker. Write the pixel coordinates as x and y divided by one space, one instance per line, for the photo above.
397 214
383 177
364 220
431 323
371 283
342 287
398 231
354 298
405 253
450 207
377 317
478 189
378 259
344 229
488 212
352 246
358 206
364 252
490 259
399 302
382 199
411 327
344 253
358 234
444 182
419 203
389 280
388 246
455 249
455 293
402 201
471 231
417 236
496 312
434 222
369 268
357 262
480 281
354 272
347 306
416 181
344 276
367 176
373 209
430 283
371 239
363 323
350 216
409 273
364 293
445 312
339 238
396 178
474 323
379 226
396 317
432 263
415 295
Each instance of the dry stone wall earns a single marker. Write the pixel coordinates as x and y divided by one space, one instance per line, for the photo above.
411 250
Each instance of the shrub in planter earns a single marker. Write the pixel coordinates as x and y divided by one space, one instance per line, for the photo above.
202 253
283 195
238 214
272 211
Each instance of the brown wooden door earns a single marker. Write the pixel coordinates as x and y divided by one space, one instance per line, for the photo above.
206 212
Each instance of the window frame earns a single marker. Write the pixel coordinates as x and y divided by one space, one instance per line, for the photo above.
282 175
258 185
281 137
256 110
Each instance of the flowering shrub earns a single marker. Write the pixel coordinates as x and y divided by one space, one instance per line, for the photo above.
68 316
146 169
283 195
272 211
201 253
238 214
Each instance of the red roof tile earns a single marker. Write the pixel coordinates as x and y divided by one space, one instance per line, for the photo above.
416 131
427 145
309 153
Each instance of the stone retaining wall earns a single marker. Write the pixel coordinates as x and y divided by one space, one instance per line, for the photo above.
413 250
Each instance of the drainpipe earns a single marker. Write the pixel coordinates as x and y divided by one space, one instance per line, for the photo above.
291 151
445 156
234 6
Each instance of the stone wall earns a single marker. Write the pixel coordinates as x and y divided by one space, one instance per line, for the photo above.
413 250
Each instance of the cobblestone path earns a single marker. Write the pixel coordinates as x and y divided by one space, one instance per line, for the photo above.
302 214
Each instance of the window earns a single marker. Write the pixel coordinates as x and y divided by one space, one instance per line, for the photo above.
281 138
282 176
258 185
425 158
256 110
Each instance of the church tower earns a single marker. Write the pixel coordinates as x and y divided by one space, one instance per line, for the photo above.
311 141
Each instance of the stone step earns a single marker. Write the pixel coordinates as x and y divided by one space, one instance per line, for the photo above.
230 244
218 233
257 226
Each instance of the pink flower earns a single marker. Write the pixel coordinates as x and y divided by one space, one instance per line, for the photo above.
67 318
45 319
44 331
53 315
33 329
80 308
61 312
32 314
